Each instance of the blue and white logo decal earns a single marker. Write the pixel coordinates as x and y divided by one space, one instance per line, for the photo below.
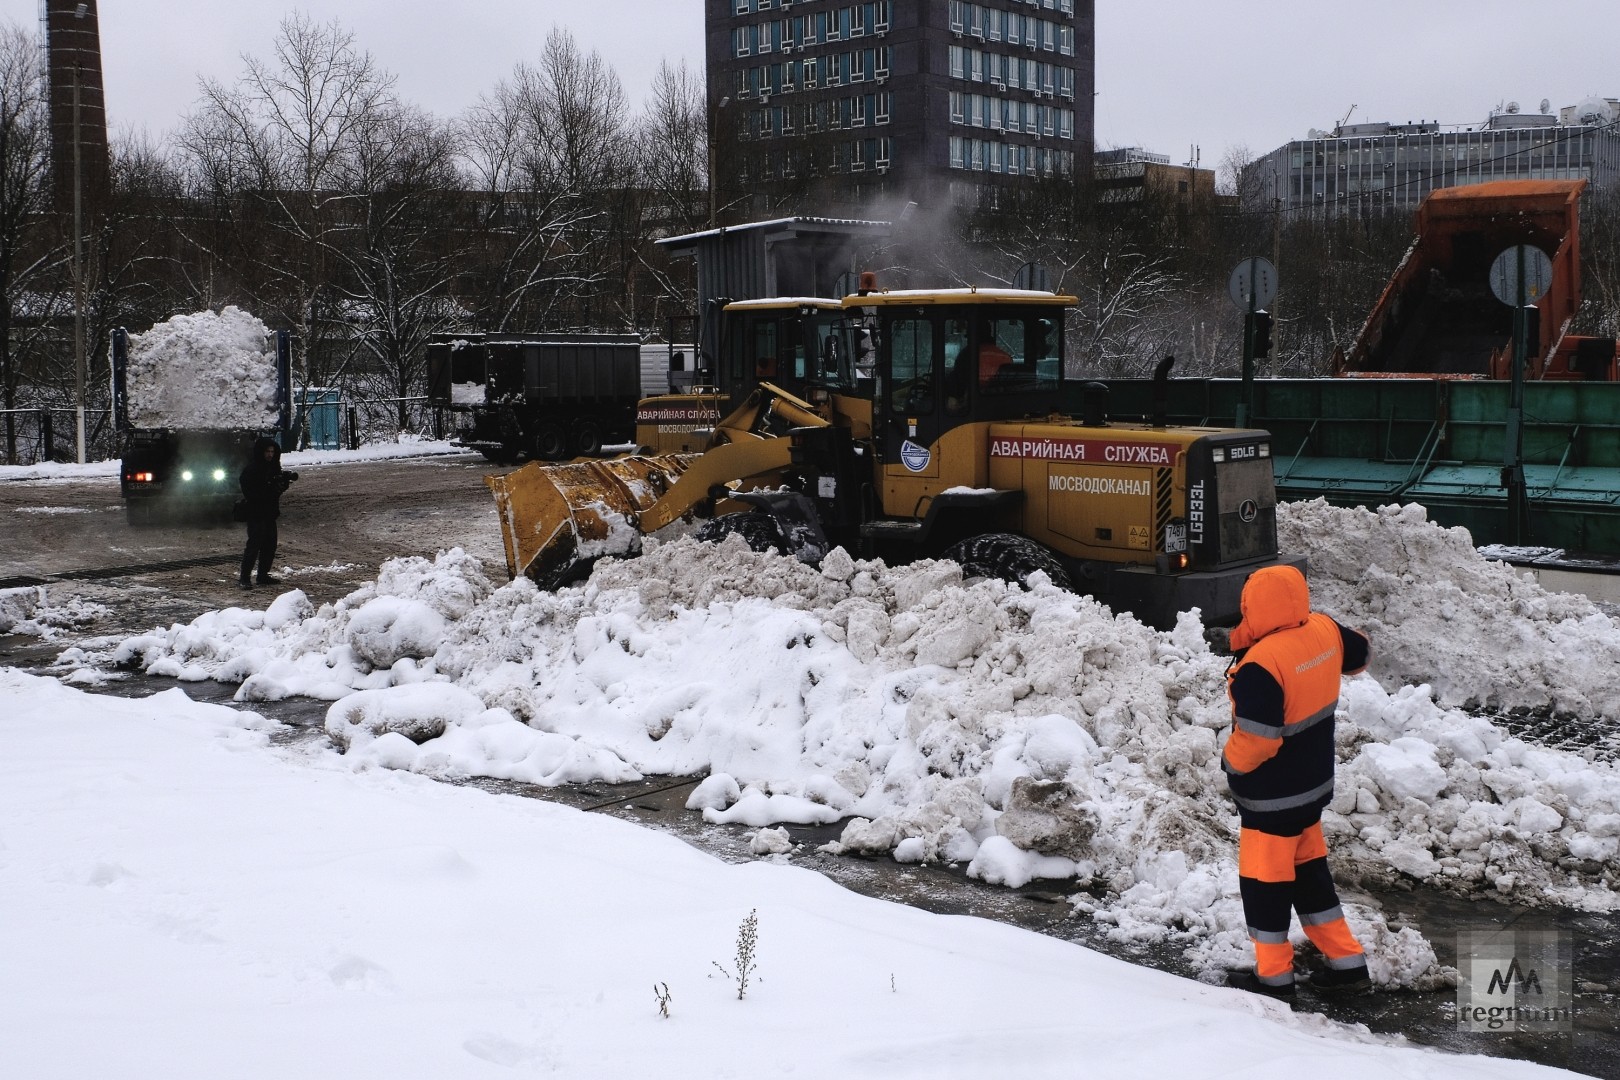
914 457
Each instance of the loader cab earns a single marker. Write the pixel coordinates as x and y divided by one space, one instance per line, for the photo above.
799 344
796 343
953 357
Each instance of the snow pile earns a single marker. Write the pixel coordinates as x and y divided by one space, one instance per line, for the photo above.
30 611
204 371
1025 734
1480 633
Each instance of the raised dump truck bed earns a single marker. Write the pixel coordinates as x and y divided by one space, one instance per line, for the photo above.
1438 315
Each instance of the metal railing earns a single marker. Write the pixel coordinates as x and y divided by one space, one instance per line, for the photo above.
36 434
362 421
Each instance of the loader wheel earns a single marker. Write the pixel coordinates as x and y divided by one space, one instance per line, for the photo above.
758 530
550 444
1008 557
587 438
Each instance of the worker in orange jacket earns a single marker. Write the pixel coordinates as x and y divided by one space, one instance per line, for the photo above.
1279 762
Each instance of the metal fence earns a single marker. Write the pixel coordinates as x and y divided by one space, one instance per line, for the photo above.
372 420
38 434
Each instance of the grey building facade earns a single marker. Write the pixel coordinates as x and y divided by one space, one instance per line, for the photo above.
1374 168
921 99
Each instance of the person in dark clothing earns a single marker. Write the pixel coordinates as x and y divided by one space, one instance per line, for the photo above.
262 483
1279 763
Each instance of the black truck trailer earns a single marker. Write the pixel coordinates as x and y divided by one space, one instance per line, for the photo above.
540 397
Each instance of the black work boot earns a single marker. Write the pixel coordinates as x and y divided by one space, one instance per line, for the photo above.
1341 981
244 583
268 579
1248 980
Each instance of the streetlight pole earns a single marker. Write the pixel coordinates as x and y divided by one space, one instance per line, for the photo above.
714 131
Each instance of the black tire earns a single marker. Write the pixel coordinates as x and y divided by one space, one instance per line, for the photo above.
587 438
1007 557
550 443
757 528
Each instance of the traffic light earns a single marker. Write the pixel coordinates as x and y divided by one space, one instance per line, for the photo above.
1262 334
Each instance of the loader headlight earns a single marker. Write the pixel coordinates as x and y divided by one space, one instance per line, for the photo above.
1217 454
1265 449
186 476
219 474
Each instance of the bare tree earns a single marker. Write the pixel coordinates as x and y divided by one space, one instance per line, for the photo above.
1600 264
672 146
25 252
282 149
398 259
545 149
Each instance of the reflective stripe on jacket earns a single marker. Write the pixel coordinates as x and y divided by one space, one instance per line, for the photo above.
1279 758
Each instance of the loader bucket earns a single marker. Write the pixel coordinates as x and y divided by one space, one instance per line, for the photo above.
557 518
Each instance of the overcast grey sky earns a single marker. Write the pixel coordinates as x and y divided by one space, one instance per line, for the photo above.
1170 75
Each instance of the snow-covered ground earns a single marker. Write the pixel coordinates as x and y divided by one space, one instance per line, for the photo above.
181 898
1022 735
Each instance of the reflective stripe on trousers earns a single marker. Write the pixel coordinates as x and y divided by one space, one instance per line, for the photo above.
1280 873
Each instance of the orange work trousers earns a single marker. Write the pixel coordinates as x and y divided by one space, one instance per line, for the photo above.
1280 873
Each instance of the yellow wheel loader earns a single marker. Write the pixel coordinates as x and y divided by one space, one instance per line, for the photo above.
794 343
945 443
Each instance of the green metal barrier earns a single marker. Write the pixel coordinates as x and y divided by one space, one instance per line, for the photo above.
1369 442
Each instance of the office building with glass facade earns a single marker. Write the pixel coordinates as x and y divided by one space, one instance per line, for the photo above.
1373 168
920 98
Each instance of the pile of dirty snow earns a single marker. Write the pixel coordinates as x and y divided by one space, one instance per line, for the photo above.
30 611
205 371
1023 734
1481 633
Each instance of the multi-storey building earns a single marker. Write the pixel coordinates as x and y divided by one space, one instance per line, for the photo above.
1372 168
842 101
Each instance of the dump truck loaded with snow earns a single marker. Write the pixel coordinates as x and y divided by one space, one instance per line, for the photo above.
953 450
190 396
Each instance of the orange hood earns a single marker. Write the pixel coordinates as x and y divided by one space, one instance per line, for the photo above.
1274 597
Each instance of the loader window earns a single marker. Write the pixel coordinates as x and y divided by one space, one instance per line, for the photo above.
956 365
765 349
1019 356
911 359
834 367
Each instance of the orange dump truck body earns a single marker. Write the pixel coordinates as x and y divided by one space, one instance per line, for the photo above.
1438 316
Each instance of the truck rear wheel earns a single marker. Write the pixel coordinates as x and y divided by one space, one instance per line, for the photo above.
1007 557
587 438
550 444
757 528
